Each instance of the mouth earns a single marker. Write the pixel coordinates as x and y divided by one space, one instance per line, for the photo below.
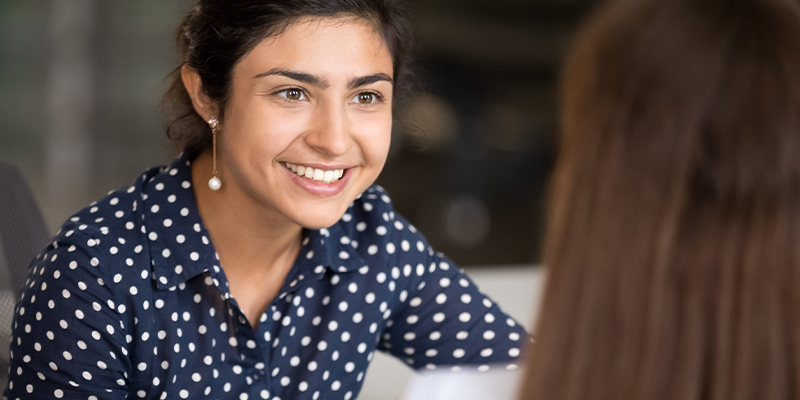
315 174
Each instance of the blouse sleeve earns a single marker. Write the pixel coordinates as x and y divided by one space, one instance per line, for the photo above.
448 321
439 317
68 339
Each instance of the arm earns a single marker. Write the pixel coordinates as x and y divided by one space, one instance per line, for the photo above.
439 317
447 320
68 340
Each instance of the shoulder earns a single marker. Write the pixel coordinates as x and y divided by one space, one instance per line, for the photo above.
378 233
91 240
113 215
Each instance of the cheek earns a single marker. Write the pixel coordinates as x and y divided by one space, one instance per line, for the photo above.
376 135
263 133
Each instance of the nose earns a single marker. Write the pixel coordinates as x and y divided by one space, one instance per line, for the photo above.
329 133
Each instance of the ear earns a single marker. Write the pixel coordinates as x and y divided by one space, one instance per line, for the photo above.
203 105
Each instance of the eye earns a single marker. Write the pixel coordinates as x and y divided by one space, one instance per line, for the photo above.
365 98
293 94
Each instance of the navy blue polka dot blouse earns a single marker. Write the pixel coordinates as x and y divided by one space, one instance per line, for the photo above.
130 301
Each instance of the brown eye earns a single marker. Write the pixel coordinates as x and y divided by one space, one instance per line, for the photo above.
366 98
294 94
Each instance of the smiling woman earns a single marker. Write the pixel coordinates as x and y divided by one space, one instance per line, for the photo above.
263 262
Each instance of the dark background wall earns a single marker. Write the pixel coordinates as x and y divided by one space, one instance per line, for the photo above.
80 82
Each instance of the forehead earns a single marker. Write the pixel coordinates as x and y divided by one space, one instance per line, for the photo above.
332 48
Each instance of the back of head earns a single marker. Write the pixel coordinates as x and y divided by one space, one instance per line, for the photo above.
672 247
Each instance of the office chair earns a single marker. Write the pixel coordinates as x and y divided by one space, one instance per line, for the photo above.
22 235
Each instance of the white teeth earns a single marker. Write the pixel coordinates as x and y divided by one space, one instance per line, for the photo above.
320 175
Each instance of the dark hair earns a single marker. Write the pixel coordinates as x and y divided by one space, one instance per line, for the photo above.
216 34
673 243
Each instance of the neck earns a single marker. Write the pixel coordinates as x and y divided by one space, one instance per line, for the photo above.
248 235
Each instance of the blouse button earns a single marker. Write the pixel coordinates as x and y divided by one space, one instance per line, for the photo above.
259 374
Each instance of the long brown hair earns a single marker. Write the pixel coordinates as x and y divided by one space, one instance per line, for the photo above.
673 247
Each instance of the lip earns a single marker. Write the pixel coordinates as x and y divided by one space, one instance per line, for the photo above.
321 166
317 188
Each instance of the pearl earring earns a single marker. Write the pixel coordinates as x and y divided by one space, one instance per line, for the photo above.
214 183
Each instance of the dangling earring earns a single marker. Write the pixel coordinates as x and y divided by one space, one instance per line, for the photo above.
214 183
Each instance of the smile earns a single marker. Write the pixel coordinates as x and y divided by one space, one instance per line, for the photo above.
319 175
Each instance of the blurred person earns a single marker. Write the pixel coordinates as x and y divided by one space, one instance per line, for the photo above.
263 262
674 221
674 216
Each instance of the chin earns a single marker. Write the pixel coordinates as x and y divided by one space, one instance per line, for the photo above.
320 218
319 223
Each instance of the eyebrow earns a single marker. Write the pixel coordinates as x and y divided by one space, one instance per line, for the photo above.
298 76
317 81
369 79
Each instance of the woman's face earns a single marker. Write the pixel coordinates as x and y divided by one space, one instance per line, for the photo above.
308 124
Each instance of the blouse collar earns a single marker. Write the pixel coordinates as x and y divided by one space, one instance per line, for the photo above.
181 248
